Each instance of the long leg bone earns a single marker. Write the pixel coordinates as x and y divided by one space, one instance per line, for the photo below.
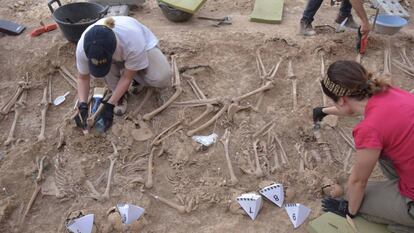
211 121
178 91
113 159
292 77
180 208
167 132
283 154
225 140
105 196
199 93
265 87
68 79
18 108
149 182
10 103
21 87
324 99
36 191
258 172
44 105
268 76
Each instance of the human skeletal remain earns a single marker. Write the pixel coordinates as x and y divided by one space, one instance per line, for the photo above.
225 140
149 182
18 108
44 105
293 77
105 196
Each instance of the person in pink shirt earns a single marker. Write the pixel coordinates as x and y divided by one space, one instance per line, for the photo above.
385 135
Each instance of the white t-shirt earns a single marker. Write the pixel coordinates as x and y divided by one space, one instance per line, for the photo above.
133 40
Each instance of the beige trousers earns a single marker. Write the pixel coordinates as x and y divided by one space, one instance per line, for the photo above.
157 74
384 204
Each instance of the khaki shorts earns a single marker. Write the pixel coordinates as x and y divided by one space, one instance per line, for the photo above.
383 202
157 74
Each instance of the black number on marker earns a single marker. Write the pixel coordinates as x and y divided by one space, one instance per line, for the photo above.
276 198
250 210
294 217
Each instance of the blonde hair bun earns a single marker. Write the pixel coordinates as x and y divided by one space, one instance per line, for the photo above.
109 22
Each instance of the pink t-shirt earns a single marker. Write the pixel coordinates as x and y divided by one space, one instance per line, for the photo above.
389 125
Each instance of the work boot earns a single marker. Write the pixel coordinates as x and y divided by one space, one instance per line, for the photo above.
121 108
306 29
350 23
135 88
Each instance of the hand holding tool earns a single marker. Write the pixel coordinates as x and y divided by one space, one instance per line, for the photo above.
361 42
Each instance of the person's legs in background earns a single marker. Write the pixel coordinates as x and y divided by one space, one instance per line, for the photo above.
312 7
345 12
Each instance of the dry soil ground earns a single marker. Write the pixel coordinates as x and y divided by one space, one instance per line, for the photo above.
226 63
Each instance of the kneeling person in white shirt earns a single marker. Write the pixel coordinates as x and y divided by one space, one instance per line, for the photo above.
121 50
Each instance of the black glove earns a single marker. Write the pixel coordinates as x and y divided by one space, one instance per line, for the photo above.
318 114
81 118
336 206
107 115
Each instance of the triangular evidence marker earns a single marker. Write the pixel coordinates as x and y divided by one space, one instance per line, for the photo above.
274 193
83 224
297 213
129 213
251 203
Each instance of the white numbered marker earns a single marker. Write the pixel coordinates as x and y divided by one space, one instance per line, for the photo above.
129 213
251 203
274 193
297 213
81 225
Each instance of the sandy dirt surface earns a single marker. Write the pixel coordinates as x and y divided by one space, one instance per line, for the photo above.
223 63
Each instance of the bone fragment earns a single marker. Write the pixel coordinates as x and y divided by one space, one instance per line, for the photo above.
200 95
292 77
258 172
167 132
283 154
149 182
180 208
49 84
261 131
323 145
68 79
225 140
211 121
178 91
44 105
265 87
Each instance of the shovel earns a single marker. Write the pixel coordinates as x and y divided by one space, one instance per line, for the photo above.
60 99
143 133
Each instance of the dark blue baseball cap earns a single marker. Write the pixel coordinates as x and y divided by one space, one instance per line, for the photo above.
99 44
